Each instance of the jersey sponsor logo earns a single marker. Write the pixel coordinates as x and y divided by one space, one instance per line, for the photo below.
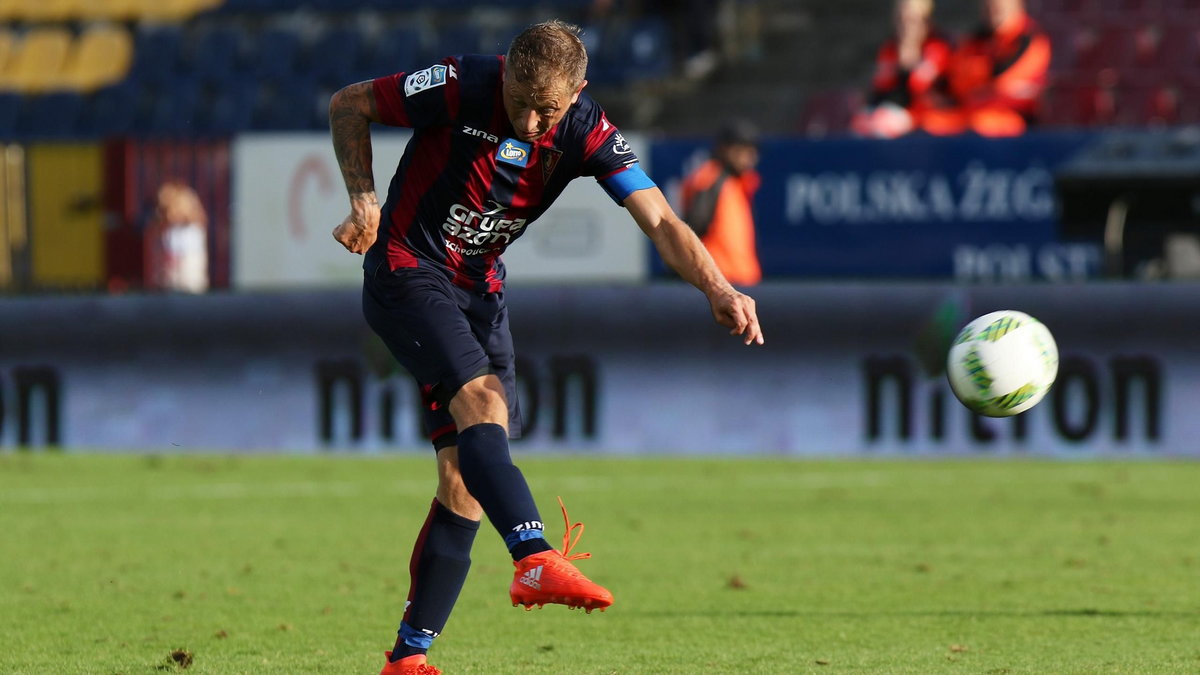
550 157
491 138
433 76
620 145
470 232
513 152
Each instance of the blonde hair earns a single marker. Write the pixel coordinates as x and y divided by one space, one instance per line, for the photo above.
546 53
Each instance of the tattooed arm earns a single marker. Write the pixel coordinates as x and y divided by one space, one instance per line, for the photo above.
351 111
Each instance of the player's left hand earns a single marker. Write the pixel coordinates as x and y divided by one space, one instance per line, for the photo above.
737 312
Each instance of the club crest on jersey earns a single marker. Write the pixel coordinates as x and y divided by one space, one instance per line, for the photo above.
550 157
433 76
513 152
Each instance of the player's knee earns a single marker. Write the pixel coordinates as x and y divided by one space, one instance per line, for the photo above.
480 401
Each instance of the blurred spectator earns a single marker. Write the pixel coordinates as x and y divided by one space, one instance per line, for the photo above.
996 76
717 202
178 241
907 67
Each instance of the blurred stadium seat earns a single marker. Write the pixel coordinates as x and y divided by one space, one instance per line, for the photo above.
215 53
10 108
334 58
101 56
829 112
38 60
110 111
398 49
50 115
273 53
115 10
156 54
40 11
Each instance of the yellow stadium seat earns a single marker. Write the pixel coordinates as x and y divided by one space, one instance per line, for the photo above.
43 11
169 11
116 10
101 56
8 43
38 60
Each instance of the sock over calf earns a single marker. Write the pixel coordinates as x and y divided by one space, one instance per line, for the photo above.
438 568
499 486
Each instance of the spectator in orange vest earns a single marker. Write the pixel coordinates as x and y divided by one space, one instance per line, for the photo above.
717 203
996 76
907 67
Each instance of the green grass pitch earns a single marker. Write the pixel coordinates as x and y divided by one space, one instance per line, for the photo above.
299 565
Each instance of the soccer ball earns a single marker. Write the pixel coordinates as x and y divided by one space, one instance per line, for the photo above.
1002 363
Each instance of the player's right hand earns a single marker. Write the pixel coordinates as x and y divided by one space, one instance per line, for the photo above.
360 229
737 312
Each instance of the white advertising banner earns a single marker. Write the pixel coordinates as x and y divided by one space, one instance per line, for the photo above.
288 195
846 370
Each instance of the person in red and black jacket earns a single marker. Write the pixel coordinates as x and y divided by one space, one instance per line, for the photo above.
907 68
996 76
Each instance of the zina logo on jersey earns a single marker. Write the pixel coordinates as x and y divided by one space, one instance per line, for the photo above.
481 134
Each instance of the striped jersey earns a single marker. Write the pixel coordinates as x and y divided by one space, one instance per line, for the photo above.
465 187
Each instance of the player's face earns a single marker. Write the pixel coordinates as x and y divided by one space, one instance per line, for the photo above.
533 111
911 17
999 11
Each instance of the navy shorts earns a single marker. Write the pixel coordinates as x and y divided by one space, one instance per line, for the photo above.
445 336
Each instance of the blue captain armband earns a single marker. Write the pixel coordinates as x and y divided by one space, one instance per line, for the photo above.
626 182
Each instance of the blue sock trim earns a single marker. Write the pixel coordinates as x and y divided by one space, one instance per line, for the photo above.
415 638
513 538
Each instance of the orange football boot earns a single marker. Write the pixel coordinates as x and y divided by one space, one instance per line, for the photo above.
549 577
409 665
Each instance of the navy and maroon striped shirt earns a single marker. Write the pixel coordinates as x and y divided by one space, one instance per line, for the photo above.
465 188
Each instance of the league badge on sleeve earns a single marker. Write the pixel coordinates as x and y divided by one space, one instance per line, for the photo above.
433 76
513 152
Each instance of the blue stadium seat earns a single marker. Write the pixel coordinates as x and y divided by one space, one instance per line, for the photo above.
647 50
170 110
215 53
289 105
457 39
110 111
394 51
10 109
227 110
605 60
334 57
52 115
274 53
156 54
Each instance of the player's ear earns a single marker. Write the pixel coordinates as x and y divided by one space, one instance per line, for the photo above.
575 96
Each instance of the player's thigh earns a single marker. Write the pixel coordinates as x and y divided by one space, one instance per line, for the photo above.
423 325
488 316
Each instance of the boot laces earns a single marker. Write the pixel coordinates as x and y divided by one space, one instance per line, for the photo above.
568 541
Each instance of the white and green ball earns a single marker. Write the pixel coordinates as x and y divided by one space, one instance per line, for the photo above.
1002 363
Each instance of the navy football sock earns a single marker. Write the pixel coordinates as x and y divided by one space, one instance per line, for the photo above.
492 479
438 568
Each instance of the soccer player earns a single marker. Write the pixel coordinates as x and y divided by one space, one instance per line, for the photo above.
495 141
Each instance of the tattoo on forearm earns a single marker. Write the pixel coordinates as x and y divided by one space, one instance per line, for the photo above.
350 115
